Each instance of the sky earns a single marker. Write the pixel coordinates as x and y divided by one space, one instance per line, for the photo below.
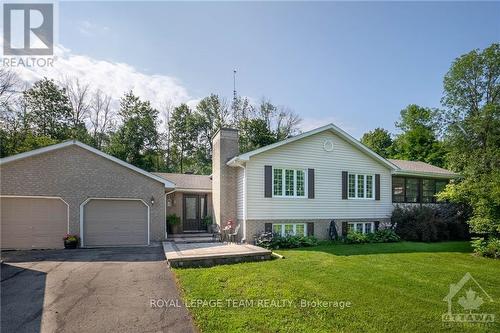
356 64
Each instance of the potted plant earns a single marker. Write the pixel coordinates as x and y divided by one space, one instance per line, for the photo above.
172 220
70 241
207 220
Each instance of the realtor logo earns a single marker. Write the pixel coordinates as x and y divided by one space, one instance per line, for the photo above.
469 295
28 29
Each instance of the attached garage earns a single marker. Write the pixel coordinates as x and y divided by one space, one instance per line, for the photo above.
33 222
71 188
114 222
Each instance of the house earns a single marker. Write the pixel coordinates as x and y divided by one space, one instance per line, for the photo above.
299 186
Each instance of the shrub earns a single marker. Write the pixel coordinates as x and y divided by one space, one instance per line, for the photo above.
487 247
356 237
173 219
379 236
271 240
430 223
383 236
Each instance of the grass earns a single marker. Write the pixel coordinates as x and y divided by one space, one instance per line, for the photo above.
397 287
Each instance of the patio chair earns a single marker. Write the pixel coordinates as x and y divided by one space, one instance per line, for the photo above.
234 235
216 233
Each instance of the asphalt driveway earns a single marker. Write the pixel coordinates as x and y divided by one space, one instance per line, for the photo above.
90 290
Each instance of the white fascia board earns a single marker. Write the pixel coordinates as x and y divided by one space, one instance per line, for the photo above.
425 174
237 160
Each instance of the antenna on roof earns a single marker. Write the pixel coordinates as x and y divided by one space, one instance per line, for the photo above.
234 86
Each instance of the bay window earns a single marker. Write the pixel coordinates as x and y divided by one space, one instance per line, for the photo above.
289 183
361 186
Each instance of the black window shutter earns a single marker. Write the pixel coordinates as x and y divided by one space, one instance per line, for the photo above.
344 185
376 225
344 229
310 229
310 183
377 186
268 227
268 185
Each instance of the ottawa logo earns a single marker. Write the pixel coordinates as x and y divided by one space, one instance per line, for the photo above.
469 295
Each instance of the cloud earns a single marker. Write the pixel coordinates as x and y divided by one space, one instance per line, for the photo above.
90 29
113 78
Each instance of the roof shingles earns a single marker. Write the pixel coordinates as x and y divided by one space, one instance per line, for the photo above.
187 181
420 167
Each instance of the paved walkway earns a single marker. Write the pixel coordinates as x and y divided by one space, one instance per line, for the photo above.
90 290
208 251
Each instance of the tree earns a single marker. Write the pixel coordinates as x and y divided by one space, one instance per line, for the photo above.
379 140
472 135
49 110
183 134
101 118
418 140
137 139
78 94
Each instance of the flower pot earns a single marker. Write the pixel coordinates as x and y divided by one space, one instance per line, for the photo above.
70 244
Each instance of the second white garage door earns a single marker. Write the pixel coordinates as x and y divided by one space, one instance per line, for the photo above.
115 222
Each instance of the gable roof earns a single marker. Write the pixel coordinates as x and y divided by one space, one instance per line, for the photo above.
420 168
188 181
64 144
330 127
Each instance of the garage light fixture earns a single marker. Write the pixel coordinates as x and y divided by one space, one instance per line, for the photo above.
152 200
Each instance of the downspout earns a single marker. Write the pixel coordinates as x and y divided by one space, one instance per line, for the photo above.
244 203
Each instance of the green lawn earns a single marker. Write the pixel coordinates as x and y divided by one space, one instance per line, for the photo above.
396 287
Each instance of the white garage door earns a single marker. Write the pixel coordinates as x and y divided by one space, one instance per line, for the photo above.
33 223
115 222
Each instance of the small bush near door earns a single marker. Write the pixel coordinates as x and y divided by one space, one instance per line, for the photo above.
431 223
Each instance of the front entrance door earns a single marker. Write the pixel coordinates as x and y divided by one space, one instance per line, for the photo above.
194 210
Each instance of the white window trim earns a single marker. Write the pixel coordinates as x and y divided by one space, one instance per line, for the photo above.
364 187
283 183
282 225
352 226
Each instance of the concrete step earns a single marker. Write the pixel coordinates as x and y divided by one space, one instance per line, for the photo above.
190 235
191 240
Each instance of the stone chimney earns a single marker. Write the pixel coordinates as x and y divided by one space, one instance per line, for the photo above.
225 146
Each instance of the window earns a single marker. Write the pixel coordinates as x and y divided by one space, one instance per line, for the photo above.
290 229
369 186
416 190
289 183
440 185
360 186
428 189
301 188
362 227
352 186
398 189
278 182
412 190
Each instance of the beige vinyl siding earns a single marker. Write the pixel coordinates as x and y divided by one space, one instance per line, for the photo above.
240 199
328 203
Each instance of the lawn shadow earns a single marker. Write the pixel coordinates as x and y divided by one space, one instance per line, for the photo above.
23 292
342 249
